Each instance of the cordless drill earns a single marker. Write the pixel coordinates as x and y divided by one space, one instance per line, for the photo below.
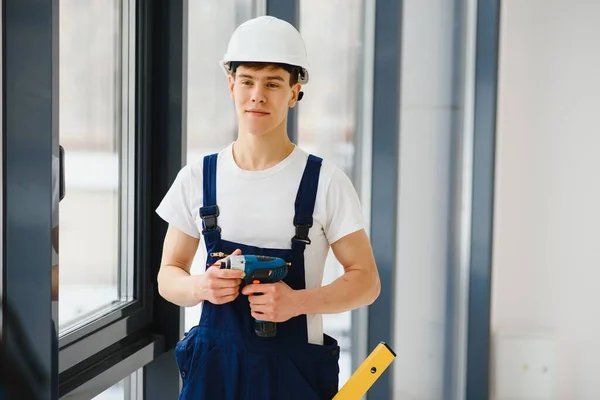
259 269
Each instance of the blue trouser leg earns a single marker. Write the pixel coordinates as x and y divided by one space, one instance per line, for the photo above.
213 369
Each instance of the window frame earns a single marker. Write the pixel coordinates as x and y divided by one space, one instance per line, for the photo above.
28 124
135 336
82 342
481 213
288 11
144 332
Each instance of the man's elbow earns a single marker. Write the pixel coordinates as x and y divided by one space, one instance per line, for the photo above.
162 283
374 288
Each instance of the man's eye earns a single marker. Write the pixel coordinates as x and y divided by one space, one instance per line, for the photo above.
246 83
272 85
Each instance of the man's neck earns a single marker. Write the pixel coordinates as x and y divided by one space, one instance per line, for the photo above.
255 153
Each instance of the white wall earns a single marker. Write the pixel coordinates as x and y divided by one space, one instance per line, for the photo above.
546 262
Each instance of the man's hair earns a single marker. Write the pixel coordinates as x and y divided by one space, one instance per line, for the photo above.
292 69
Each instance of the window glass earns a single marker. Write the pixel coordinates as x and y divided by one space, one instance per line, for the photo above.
327 116
212 122
130 388
115 392
211 114
94 132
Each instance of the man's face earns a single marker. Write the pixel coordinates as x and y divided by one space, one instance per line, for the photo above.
262 98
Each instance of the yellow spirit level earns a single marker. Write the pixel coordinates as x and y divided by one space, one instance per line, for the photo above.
368 372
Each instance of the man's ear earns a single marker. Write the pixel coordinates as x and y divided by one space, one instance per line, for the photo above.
295 93
231 80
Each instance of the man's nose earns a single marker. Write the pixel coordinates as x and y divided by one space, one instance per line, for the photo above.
258 95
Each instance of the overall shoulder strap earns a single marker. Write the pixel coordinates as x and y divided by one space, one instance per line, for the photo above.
210 210
209 179
305 202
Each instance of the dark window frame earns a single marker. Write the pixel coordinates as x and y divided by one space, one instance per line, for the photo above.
289 11
144 332
28 124
131 316
78 347
477 379
384 180
149 327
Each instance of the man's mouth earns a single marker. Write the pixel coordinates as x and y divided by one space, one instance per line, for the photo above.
257 113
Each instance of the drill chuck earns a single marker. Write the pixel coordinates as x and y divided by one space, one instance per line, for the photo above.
234 262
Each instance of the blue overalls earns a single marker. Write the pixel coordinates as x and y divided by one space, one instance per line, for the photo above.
222 358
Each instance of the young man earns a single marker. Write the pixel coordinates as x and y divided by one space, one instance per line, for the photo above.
262 195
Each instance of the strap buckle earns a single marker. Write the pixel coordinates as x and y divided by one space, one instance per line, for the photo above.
209 216
302 233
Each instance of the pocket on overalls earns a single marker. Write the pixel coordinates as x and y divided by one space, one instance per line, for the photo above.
293 383
328 371
184 351
206 379
320 366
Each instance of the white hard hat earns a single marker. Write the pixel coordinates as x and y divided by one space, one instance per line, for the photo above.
267 39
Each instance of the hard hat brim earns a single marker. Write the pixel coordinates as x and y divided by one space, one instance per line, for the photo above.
225 66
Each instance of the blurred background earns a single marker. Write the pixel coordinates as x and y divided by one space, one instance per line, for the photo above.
542 276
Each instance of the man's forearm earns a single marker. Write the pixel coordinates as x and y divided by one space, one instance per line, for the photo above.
354 289
176 285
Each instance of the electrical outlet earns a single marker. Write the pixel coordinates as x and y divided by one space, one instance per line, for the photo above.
524 366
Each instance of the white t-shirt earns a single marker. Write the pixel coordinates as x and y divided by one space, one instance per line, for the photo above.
257 208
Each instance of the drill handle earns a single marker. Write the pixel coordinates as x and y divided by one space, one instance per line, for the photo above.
264 329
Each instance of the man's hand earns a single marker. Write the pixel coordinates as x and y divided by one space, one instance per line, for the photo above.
218 286
276 304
